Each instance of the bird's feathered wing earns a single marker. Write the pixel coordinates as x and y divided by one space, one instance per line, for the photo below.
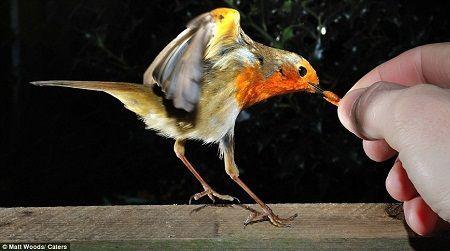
178 68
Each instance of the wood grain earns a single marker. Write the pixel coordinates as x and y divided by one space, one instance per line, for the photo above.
318 226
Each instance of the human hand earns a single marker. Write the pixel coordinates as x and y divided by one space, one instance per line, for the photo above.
412 119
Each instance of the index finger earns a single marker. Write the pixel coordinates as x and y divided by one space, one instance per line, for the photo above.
424 64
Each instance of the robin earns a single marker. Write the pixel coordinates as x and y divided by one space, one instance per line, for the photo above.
198 84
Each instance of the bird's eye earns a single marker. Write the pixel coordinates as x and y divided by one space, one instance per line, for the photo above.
302 71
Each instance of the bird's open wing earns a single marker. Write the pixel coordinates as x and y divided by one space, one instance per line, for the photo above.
178 68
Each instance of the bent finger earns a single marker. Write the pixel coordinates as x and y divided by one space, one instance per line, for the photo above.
398 185
378 150
419 216
423 64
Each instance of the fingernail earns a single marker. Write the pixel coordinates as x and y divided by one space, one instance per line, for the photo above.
346 109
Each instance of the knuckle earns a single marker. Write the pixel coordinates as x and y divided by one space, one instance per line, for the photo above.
422 89
420 100
421 108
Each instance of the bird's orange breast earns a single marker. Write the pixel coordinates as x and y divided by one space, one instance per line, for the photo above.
252 87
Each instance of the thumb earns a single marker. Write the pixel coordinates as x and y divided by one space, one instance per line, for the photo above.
365 111
415 121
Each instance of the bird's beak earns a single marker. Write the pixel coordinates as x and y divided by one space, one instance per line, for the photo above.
327 95
315 88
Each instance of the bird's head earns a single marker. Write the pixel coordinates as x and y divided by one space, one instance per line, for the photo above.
278 72
299 72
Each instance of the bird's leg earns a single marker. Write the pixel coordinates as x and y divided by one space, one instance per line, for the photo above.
208 191
227 147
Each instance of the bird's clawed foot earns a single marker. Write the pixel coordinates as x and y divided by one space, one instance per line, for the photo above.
212 195
268 215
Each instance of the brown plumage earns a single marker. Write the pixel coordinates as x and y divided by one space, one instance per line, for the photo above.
196 87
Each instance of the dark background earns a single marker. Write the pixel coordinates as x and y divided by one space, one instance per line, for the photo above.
72 147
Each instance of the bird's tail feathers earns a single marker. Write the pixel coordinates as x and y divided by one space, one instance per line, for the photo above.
136 97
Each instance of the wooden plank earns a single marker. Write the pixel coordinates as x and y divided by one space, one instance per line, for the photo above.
318 226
